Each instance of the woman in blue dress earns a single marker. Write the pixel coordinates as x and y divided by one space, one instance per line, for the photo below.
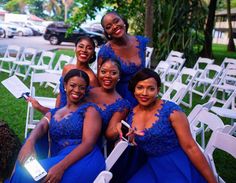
128 50
74 131
161 130
85 54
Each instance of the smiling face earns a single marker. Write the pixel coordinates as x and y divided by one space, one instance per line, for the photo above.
84 50
108 75
146 91
75 89
114 25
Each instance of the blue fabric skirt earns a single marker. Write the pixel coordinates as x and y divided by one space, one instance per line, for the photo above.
172 167
84 170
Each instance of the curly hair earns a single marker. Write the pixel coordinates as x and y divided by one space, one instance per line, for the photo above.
9 148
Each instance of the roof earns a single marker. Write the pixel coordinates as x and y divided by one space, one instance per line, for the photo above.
35 18
224 12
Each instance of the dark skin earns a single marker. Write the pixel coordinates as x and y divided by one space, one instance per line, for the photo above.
124 45
75 89
144 117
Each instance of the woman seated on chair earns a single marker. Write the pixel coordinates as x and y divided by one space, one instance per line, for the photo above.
85 54
74 131
113 107
161 130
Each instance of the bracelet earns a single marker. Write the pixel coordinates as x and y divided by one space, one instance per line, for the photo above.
45 117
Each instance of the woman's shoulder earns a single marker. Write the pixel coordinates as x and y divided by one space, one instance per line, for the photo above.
67 68
171 106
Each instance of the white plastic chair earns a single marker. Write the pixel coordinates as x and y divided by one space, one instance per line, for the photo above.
201 64
149 51
27 58
31 119
174 53
105 176
93 66
205 118
185 77
45 61
209 76
12 54
222 141
227 61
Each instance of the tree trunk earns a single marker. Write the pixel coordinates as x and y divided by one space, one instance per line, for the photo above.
148 30
231 46
207 47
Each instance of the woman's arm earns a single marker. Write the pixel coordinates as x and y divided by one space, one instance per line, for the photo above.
181 126
36 105
112 131
91 131
39 131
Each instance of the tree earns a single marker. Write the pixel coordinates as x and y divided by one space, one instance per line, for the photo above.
67 4
231 46
207 46
148 31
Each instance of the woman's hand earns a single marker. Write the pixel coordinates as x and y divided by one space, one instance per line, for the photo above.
55 174
34 102
131 134
26 151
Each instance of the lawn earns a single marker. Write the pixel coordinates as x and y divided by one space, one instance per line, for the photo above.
13 112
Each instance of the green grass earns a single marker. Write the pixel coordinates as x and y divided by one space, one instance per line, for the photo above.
13 111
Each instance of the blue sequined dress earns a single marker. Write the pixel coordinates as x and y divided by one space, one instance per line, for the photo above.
65 136
166 160
127 70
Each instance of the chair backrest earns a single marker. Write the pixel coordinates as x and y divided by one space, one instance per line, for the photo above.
62 61
176 62
175 92
28 55
212 72
115 154
13 52
222 141
230 102
174 53
227 61
46 59
149 51
202 63
187 76
162 69
208 118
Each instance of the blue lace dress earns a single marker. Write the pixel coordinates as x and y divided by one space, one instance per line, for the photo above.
166 160
127 70
65 136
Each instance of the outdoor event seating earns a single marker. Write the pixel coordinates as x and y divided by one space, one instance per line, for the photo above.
149 51
222 141
27 58
31 118
11 54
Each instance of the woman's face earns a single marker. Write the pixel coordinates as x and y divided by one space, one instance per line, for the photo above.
146 91
108 75
114 25
84 50
75 89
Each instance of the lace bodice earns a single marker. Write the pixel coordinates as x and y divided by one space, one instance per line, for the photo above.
118 106
127 70
69 130
161 137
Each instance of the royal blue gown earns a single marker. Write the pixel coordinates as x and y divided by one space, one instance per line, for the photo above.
166 160
65 136
127 70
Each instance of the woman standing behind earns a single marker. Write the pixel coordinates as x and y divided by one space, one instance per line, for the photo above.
85 54
128 50
74 131
161 130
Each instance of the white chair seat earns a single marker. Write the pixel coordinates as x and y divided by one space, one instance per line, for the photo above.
23 63
54 71
224 112
47 102
39 67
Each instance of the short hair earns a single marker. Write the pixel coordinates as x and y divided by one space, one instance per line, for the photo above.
122 18
116 62
143 75
78 73
87 38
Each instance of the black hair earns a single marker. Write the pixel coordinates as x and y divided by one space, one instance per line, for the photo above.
122 18
93 58
78 73
143 75
117 63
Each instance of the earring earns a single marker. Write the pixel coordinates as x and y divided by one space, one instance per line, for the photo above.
65 90
109 36
118 80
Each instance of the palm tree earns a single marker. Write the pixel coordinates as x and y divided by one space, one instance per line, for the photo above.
149 13
231 46
52 6
67 4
